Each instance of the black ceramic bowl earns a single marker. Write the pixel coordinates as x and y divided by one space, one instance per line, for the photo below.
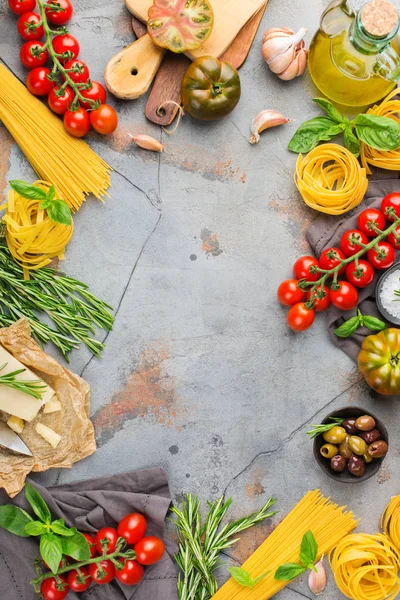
386 315
370 468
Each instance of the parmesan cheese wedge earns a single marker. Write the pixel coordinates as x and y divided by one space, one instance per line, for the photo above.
15 402
53 406
48 434
16 424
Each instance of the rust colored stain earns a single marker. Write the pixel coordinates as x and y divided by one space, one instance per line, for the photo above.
210 244
250 540
121 140
384 475
255 488
149 393
208 163
6 142
297 216
243 178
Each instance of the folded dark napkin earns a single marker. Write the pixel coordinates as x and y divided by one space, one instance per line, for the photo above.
325 232
90 505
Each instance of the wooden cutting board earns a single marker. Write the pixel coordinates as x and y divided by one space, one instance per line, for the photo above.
129 74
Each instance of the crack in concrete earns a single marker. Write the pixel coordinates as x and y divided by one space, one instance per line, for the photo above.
285 440
237 128
297 592
152 204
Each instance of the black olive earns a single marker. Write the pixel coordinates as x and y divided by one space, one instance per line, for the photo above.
356 466
350 426
338 463
371 436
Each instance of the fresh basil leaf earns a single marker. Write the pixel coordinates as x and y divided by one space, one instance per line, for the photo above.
59 211
311 132
51 194
289 571
44 204
35 528
26 190
351 142
39 506
328 107
14 519
348 327
60 528
241 576
76 546
373 323
378 132
51 550
308 549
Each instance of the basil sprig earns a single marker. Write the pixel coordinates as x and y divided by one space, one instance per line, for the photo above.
307 556
57 209
243 577
378 132
350 326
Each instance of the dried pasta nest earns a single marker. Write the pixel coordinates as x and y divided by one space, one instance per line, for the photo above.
390 522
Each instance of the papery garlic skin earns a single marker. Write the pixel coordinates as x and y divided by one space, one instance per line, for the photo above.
317 581
265 120
283 51
147 142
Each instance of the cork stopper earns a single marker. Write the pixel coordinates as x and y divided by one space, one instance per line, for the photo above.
379 17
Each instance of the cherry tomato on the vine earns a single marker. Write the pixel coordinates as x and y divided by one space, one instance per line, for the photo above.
32 54
92 543
81 75
368 217
78 582
96 93
391 238
149 550
38 82
29 27
345 296
77 122
289 292
320 304
302 266
132 527
60 104
131 574
102 573
383 257
349 239
391 201
62 16
19 7
66 43
330 258
104 119
106 539
300 317
51 589
360 276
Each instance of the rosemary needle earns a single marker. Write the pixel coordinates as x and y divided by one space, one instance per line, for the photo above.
34 387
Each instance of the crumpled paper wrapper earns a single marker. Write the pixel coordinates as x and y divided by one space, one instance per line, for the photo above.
72 422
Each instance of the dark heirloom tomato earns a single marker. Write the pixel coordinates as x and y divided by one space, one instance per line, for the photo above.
379 361
210 88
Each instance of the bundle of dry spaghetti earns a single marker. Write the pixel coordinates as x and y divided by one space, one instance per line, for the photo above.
328 522
74 168
32 237
390 522
385 159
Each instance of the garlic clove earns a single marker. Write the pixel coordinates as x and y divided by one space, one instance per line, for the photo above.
147 142
281 61
265 120
302 59
291 71
317 581
280 49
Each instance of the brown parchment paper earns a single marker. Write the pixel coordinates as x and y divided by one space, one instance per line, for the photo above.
72 422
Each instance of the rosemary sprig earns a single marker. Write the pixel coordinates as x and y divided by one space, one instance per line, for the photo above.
200 545
34 387
318 429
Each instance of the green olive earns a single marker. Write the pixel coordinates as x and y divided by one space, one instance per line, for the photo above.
335 435
344 448
365 423
357 445
367 457
329 450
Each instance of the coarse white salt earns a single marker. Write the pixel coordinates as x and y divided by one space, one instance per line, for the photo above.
389 300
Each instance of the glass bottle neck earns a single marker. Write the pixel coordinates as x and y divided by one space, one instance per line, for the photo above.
366 43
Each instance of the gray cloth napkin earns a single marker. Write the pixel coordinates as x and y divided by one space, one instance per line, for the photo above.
325 232
90 505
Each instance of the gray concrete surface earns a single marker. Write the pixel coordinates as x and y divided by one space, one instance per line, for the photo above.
201 374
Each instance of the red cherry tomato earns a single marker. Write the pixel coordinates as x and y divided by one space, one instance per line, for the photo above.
383 258
300 317
66 43
320 304
96 93
302 266
106 539
391 238
104 119
32 55
38 82
77 122
59 17
132 527
102 573
19 7
330 258
78 582
368 217
149 550
289 292
345 297
350 247
361 276
51 589
60 104
81 75
28 26
131 574
391 201
92 544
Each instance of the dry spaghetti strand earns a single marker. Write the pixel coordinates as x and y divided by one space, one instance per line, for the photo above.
330 179
390 522
73 167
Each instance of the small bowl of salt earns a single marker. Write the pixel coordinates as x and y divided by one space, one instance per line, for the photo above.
387 294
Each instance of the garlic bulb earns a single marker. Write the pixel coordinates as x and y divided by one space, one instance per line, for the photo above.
283 51
147 142
317 581
264 120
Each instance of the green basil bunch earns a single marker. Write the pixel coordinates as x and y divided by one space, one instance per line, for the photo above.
350 326
378 132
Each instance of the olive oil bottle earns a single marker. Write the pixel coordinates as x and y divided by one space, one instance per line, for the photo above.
353 57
